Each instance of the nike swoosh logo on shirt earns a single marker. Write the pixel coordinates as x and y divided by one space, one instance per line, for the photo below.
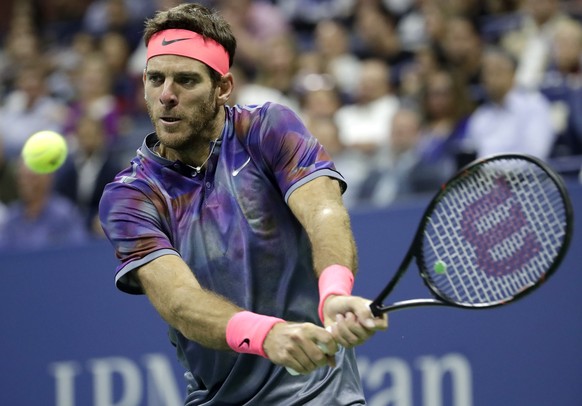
246 342
240 168
164 42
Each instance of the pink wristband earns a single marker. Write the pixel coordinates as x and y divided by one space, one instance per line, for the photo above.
334 280
246 331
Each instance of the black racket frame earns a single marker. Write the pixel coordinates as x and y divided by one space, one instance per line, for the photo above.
415 249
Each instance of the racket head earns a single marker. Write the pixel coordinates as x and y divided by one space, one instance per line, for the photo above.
494 232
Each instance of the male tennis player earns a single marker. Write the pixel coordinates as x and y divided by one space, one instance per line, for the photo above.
230 220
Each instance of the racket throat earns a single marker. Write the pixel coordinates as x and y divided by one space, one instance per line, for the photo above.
376 306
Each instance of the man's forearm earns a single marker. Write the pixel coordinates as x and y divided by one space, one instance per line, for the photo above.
331 238
200 315
318 206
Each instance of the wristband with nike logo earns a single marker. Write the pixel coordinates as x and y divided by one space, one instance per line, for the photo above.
246 332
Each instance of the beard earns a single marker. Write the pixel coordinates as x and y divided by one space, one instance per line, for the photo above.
196 129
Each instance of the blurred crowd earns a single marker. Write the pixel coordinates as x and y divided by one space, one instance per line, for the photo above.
401 93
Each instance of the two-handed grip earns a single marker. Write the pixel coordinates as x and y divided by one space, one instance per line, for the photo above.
321 346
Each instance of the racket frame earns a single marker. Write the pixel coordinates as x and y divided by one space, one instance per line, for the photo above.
415 249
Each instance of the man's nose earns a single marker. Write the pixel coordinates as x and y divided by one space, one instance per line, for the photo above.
168 96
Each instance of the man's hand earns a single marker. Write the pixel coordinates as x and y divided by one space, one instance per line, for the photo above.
351 320
297 346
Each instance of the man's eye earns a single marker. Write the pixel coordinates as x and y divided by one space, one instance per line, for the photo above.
155 79
186 81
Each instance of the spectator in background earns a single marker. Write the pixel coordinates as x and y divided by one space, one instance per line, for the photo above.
462 51
435 24
320 101
424 48
29 108
122 16
250 92
65 60
253 23
514 119
88 168
411 23
350 162
530 42
562 85
374 31
21 47
366 124
274 76
94 97
319 97
40 218
61 19
414 74
391 175
305 15
116 52
499 17
445 108
331 41
422 28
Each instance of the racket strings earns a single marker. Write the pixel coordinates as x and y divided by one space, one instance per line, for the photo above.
458 283
482 230
466 288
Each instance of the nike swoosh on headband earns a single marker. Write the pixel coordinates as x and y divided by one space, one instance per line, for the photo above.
165 42
173 42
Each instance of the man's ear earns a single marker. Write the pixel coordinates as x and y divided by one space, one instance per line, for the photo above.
225 88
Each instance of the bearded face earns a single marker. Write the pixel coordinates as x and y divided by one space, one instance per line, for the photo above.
181 101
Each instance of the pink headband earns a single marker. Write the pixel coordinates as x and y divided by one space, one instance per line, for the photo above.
189 44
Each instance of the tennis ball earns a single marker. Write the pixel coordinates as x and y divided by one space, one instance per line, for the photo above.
440 267
44 151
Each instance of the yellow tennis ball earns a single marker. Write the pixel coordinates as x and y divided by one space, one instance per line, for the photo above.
44 152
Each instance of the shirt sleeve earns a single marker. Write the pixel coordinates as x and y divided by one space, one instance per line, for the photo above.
134 224
292 153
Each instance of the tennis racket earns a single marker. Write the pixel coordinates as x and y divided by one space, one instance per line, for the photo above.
493 233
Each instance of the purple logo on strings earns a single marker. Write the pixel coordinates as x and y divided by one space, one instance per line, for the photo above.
485 240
